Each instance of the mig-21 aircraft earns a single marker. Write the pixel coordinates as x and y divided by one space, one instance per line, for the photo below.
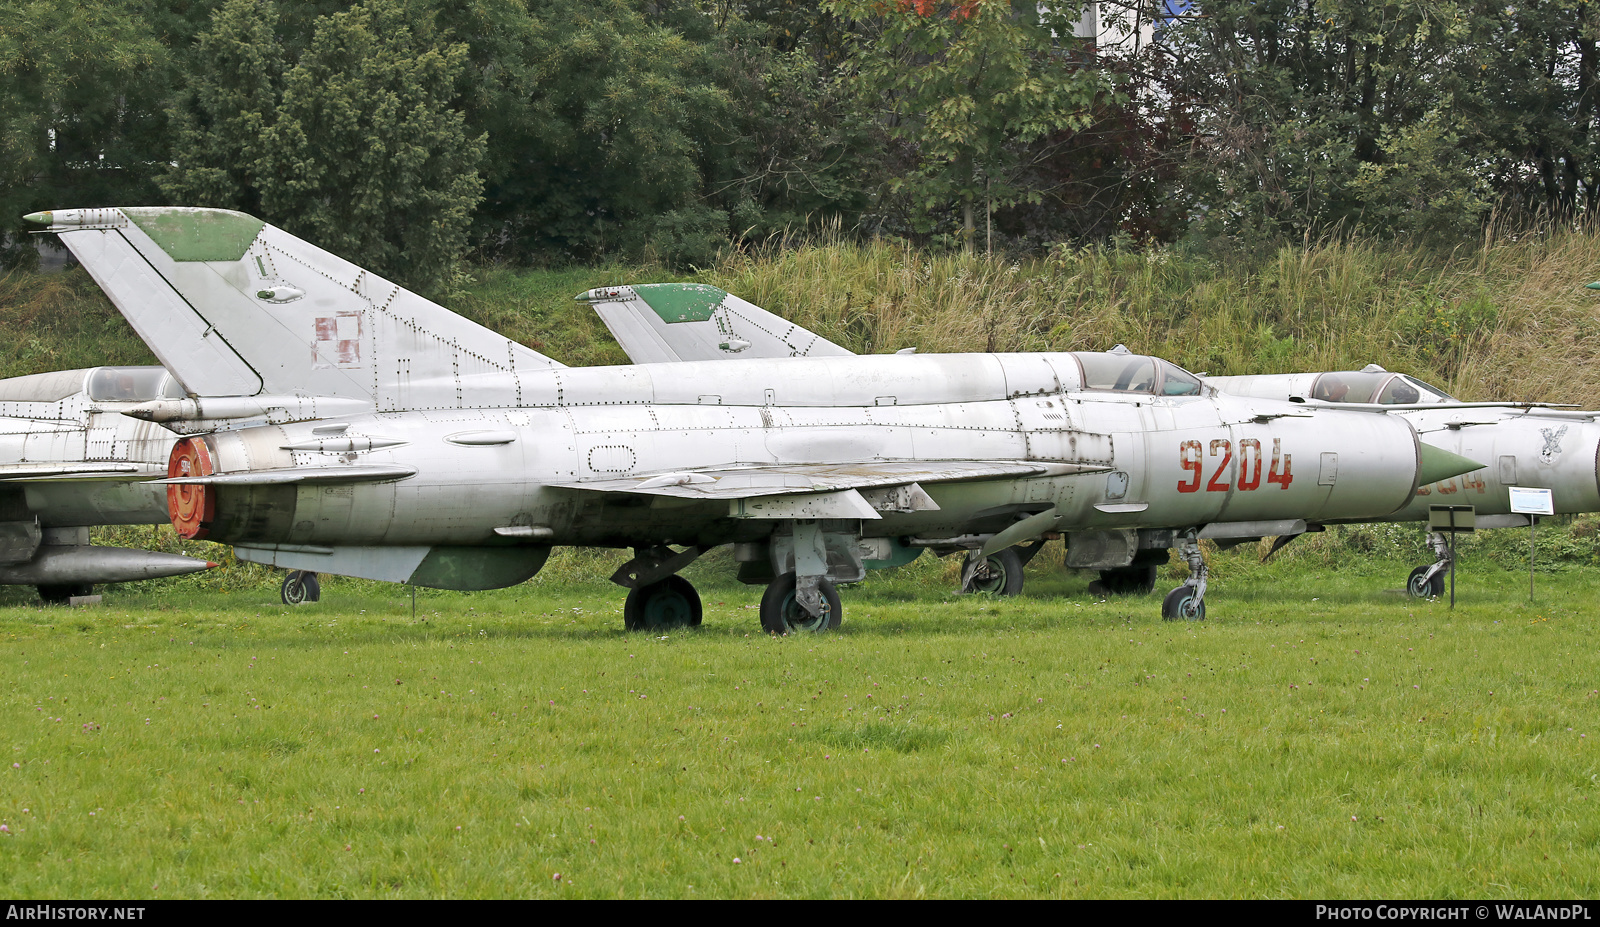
1530 444
1524 444
338 423
66 465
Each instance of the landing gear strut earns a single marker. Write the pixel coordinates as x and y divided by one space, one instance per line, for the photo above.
782 613
1000 573
300 587
1188 601
1427 582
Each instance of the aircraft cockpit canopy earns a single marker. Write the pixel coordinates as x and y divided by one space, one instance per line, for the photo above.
133 384
1134 373
1380 387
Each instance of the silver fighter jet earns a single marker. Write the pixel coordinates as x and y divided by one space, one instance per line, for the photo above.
667 322
336 422
66 464
1525 444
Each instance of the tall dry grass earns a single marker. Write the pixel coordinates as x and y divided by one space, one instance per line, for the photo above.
61 322
1504 318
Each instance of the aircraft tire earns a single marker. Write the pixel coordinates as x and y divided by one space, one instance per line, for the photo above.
999 574
1425 588
662 606
781 614
58 594
1181 605
300 587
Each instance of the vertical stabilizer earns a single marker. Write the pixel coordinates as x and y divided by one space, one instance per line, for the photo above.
666 322
236 307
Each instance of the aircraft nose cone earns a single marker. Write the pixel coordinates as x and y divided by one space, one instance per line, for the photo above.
1437 465
38 218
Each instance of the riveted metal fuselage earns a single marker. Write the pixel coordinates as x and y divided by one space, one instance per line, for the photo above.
1157 461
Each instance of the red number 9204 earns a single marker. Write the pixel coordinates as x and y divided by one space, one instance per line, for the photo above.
1190 454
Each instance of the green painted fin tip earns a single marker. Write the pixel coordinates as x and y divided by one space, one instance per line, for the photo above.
681 302
189 234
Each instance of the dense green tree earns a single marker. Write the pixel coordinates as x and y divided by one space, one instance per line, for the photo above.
359 145
81 122
1395 116
221 118
369 155
966 85
597 118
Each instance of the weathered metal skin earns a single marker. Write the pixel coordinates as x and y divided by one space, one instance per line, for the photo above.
1190 460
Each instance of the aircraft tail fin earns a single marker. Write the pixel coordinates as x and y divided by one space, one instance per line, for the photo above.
233 306
666 322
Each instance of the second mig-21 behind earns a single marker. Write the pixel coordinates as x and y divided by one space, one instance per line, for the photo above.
1530 445
338 423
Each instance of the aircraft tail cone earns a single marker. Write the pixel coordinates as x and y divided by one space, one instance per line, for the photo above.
1437 465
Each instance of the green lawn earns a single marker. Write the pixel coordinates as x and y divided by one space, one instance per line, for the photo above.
1319 736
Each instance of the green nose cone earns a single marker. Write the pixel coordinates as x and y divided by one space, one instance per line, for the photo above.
37 218
1439 465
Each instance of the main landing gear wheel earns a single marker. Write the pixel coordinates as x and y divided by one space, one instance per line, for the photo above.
662 606
1000 574
1182 604
1422 587
781 612
60 594
300 587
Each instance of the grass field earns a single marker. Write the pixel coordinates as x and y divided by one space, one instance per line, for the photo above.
1319 736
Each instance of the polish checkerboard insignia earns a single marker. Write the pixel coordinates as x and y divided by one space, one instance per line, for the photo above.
337 341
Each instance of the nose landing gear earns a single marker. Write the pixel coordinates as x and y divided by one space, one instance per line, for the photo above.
1188 601
300 587
1427 582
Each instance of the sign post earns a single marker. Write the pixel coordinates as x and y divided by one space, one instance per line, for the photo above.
1452 520
1532 503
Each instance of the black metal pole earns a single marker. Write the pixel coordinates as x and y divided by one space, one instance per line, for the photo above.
1452 560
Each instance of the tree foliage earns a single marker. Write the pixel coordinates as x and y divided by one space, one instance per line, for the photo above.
965 85
359 144
81 89
408 134
1395 116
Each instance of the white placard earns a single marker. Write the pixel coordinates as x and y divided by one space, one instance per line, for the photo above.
1526 501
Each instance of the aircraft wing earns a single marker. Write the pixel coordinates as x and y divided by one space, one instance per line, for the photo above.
374 473
667 322
834 490
744 482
